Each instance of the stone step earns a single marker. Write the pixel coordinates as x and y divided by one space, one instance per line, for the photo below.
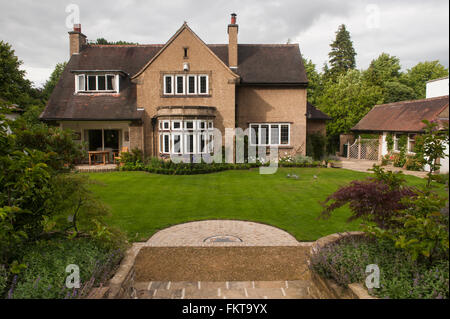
296 289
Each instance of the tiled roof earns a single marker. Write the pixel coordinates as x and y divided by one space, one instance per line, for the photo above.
315 114
405 116
258 64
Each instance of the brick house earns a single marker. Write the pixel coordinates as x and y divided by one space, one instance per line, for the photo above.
168 98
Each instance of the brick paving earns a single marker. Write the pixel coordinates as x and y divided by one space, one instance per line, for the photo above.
96 168
220 233
240 233
294 289
364 165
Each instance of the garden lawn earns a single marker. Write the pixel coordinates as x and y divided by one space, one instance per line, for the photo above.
142 203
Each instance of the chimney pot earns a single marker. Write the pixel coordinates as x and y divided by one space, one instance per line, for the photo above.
233 18
77 27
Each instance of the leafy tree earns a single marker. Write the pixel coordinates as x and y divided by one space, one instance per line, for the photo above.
103 41
383 69
347 101
342 55
417 76
53 80
432 147
314 81
384 72
397 91
14 88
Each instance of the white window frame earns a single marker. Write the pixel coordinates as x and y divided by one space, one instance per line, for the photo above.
258 142
162 143
289 134
199 125
171 85
195 84
181 125
411 151
206 139
162 125
194 126
199 84
173 142
77 83
210 143
86 83
176 85
279 134
186 144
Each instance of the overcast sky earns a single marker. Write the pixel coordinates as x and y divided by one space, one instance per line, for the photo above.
413 30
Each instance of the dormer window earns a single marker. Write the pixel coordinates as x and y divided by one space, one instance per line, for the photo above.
97 83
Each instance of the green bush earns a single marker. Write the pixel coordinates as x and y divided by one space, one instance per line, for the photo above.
315 145
3 279
401 277
46 262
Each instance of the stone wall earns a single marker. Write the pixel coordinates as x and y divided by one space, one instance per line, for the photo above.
121 286
328 286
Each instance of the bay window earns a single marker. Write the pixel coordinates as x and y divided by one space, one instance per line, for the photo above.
186 136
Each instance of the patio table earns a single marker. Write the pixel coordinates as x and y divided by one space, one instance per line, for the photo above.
95 153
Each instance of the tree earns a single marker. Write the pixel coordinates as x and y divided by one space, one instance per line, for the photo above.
53 80
314 81
347 101
433 147
396 91
417 77
383 69
342 55
14 88
374 200
103 41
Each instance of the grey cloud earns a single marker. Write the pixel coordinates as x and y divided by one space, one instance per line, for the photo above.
37 30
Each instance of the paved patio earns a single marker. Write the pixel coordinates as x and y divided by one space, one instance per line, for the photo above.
225 233
364 165
96 168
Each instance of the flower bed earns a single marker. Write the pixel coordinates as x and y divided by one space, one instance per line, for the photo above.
345 262
46 261
170 168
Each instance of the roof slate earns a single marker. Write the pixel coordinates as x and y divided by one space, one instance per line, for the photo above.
405 116
315 114
258 64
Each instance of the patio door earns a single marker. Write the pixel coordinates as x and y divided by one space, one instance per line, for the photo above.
95 140
100 140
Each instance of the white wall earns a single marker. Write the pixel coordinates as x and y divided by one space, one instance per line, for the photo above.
437 88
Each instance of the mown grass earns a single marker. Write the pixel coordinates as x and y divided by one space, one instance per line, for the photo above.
142 203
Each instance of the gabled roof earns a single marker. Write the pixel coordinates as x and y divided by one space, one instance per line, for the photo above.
312 113
183 27
279 64
405 116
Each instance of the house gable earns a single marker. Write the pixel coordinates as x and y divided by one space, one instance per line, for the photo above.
185 36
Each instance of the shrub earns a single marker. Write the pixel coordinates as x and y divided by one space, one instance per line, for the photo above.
374 200
422 227
315 145
46 262
400 276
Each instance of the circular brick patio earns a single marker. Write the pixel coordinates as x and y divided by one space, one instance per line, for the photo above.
222 233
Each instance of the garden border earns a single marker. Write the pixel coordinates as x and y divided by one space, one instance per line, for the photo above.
353 290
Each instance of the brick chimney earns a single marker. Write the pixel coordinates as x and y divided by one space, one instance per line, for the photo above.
77 39
233 42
